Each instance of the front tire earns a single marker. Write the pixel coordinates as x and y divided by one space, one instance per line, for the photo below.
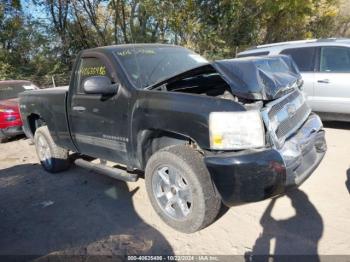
52 157
180 189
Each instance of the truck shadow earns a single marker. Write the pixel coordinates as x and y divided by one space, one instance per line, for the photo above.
74 212
347 182
298 235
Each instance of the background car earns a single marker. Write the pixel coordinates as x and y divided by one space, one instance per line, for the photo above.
10 120
325 67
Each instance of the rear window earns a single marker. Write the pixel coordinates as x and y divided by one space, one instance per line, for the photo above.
303 57
11 90
254 54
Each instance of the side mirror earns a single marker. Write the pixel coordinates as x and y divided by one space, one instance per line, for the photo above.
99 85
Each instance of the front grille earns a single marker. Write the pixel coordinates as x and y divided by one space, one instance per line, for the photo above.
289 124
278 107
281 120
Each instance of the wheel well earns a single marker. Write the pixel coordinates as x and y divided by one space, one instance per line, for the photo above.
153 140
34 122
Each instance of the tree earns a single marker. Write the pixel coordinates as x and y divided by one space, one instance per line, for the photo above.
298 19
37 49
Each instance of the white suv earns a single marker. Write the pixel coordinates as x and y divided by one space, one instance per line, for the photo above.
325 68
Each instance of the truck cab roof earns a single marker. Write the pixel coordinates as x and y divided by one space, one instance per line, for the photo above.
128 46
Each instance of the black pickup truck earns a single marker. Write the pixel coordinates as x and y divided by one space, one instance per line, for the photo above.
200 133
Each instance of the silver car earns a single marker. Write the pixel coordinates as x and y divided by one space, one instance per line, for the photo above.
325 68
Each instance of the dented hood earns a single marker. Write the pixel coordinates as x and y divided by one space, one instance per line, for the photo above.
259 78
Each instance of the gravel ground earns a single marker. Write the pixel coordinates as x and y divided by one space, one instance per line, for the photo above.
80 212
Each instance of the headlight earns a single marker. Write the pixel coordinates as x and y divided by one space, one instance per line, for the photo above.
236 130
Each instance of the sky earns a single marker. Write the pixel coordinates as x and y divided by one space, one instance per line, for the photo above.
30 9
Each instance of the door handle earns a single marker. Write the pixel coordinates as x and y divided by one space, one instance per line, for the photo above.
324 81
79 108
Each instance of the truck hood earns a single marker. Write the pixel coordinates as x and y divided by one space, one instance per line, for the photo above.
255 78
259 78
10 103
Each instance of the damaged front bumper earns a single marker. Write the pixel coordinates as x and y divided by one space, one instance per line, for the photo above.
253 175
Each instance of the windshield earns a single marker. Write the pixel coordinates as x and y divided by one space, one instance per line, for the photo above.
11 90
146 66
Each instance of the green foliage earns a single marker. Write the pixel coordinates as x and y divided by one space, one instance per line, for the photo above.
37 49
6 71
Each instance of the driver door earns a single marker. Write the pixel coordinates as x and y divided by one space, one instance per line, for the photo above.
95 120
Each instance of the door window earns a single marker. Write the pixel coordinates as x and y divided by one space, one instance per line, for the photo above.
303 57
335 59
90 66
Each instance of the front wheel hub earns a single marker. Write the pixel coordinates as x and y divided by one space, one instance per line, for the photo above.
172 192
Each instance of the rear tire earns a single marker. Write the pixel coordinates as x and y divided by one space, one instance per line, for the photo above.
180 189
52 157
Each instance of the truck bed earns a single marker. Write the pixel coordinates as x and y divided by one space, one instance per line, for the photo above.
50 104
